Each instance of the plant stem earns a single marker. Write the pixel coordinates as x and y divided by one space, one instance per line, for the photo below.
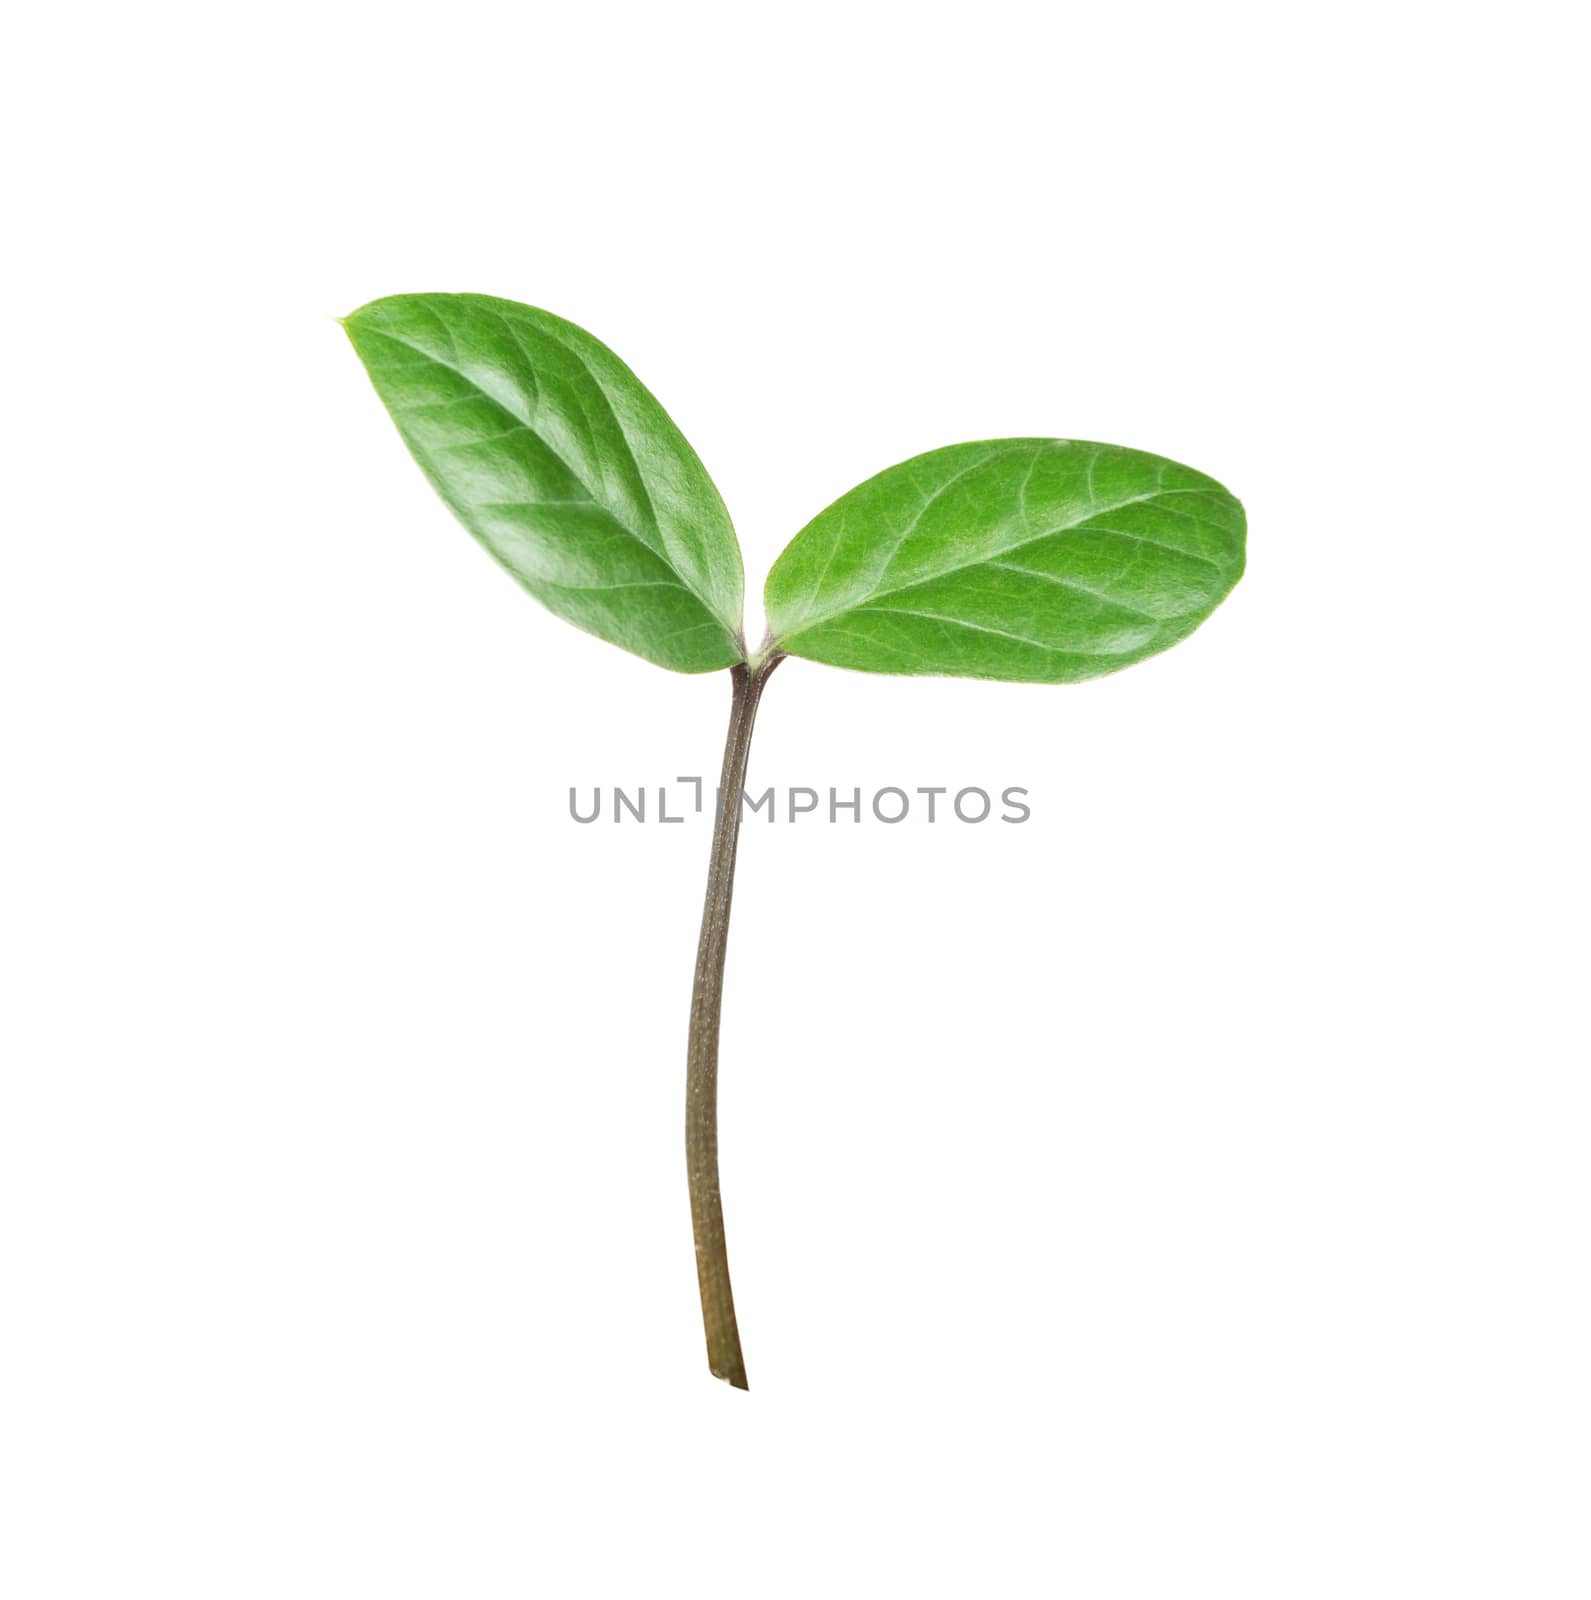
701 1068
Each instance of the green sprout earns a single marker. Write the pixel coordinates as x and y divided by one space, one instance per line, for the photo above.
1028 560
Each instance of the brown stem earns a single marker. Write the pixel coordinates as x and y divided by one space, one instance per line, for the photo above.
701 1068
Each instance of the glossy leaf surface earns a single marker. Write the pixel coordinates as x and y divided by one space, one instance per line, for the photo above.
1036 560
554 456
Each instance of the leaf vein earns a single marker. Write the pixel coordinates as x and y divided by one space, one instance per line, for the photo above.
1084 524
1001 633
1071 583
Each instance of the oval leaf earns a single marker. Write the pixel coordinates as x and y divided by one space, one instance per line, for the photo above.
1035 560
554 456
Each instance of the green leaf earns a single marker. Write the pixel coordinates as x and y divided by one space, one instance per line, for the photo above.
552 454
1037 560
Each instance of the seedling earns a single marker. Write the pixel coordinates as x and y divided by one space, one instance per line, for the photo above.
1028 560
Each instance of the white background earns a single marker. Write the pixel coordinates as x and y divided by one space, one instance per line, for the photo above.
1182 1194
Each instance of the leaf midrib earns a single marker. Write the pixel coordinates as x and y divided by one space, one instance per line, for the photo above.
528 425
984 559
629 449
